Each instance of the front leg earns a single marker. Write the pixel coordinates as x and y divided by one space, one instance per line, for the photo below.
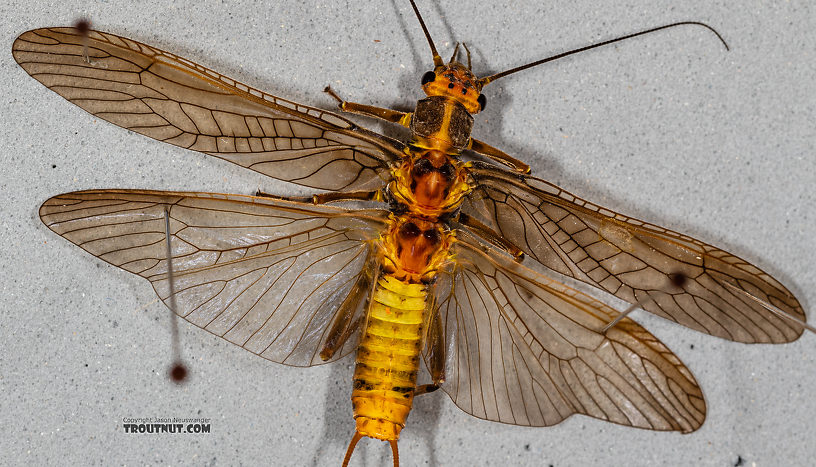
393 116
498 155
490 235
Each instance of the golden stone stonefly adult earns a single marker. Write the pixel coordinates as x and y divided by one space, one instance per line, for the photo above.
430 265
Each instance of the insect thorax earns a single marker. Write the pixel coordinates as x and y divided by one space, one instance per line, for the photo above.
441 123
414 249
431 181
430 184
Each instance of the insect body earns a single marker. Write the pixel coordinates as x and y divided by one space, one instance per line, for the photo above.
430 185
434 271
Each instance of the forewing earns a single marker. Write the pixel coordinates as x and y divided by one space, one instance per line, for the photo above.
672 275
267 275
524 349
172 99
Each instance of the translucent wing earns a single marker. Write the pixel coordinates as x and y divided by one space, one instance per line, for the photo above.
266 275
523 349
669 274
172 99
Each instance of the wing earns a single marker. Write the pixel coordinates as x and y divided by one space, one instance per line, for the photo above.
266 275
172 99
669 274
524 349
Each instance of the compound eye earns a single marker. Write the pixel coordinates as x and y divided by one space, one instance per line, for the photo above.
422 167
482 100
447 170
409 230
428 77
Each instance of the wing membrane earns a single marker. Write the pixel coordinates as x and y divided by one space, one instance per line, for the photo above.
266 275
669 274
172 99
526 350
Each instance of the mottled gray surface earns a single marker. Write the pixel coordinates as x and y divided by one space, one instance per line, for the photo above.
668 128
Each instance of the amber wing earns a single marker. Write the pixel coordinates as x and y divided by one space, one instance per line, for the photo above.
672 275
527 350
267 275
172 99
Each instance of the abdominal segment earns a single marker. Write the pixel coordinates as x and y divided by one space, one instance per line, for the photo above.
388 358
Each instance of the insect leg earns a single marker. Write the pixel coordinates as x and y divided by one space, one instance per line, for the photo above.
345 322
436 357
498 155
425 389
490 235
324 198
393 116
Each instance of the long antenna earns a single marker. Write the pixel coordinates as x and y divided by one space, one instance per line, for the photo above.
489 79
436 58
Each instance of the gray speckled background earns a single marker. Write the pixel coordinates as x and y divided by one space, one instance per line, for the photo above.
668 128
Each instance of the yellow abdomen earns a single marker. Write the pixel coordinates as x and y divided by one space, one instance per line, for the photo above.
388 358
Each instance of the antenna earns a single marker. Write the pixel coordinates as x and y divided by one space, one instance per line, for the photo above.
436 58
490 79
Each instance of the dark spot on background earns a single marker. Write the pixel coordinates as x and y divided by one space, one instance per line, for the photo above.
178 373
678 279
740 461
83 26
